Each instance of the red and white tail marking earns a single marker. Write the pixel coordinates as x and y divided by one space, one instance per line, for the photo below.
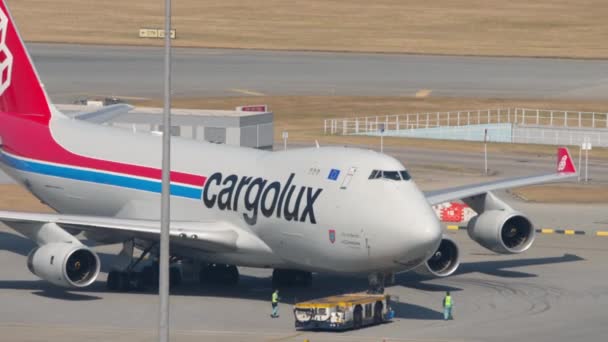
564 161
21 92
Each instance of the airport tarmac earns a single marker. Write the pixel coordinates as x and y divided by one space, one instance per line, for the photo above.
557 291
126 71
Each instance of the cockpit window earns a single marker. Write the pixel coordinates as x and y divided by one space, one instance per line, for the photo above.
392 175
405 175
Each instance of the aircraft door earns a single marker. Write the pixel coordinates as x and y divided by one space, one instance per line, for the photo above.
368 240
347 179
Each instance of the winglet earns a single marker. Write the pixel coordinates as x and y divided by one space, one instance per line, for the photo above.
564 161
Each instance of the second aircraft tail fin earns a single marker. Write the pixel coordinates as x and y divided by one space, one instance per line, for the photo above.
564 161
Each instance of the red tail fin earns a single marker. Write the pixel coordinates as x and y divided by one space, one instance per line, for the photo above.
564 161
21 92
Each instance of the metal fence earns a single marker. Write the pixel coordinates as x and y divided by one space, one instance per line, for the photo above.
516 125
559 135
520 116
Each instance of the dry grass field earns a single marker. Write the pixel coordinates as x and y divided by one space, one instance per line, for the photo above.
15 197
563 28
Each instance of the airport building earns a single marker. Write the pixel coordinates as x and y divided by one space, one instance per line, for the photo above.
247 126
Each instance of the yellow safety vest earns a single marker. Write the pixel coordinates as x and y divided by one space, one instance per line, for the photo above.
448 301
275 297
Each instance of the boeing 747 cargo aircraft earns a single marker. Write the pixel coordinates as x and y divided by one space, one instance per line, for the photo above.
328 209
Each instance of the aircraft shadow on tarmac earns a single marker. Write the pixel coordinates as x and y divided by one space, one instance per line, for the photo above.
15 243
259 288
412 311
497 267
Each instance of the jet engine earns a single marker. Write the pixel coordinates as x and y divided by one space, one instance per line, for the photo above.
444 261
64 264
502 231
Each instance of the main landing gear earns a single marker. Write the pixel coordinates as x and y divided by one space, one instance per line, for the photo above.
219 274
291 278
129 278
147 278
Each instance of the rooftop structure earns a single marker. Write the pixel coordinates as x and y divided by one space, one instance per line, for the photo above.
248 126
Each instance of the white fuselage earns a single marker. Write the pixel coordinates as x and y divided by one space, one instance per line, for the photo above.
286 199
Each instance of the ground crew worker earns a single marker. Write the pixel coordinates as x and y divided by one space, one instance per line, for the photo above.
275 304
447 306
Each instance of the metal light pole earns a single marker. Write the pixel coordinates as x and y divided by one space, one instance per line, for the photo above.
485 151
580 155
587 165
163 278
586 146
285 135
382 128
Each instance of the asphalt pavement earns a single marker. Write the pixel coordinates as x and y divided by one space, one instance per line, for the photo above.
557 291
71 71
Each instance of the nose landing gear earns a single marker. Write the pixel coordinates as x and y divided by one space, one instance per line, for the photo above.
378 280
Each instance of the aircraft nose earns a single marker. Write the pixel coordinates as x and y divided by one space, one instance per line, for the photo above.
428 234
422 238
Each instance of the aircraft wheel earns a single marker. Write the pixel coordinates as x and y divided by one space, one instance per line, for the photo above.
306 279
175 277
149 276
219 274
112 282
378 312
203 275
124 283
232 275
291 278
278 278
358 317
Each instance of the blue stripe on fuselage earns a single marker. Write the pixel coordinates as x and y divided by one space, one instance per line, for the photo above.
98 177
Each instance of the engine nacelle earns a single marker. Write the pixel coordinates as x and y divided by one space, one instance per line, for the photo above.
502 231
444 261
64 264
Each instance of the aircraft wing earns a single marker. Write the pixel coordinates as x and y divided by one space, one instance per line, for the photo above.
213 236
565 170
104 114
